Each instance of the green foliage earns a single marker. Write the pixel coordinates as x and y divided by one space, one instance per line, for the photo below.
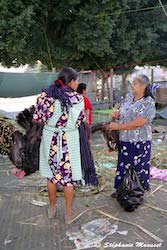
81 33
138 37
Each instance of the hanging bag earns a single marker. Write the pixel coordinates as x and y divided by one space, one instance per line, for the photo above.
130 192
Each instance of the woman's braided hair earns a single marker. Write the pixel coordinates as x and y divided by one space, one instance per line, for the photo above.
58 89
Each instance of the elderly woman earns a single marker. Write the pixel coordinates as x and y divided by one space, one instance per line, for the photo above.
60 109
136 113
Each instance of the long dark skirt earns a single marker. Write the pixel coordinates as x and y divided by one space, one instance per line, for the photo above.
87 163
136 154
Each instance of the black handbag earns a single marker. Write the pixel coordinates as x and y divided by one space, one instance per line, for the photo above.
130 193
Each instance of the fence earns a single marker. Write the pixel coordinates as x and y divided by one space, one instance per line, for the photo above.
99 117
24 84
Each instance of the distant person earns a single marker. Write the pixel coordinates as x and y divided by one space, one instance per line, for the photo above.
88 109
87 162
136 114
98 95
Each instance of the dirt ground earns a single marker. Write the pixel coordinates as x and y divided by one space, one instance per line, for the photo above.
26 226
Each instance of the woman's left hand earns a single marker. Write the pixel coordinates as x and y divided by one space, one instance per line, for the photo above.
114 126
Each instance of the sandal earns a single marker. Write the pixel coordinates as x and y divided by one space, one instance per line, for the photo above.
51 213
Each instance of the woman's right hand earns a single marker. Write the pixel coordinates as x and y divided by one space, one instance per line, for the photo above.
115 114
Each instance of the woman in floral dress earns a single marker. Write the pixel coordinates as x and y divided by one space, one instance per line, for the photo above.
60 109
136 113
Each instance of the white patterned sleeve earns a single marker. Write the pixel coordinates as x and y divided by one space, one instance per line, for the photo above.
147 109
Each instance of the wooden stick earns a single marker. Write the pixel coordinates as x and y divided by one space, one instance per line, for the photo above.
164 190
27 223
156 208
133 224
154 184
87 210
34 217
138 235
33 224
156 189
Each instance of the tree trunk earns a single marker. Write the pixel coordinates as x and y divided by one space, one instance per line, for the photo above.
111 89
124 85
53 69
152 76
103 79
107 85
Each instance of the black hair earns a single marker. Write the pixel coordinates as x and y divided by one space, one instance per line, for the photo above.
148 91
81 86
66 75
145 80
58 89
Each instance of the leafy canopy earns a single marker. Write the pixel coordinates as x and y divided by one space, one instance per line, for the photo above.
81 33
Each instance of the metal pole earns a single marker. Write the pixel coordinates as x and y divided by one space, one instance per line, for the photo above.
111 88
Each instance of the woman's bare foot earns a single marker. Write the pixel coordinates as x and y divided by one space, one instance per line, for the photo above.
51 212
70 216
